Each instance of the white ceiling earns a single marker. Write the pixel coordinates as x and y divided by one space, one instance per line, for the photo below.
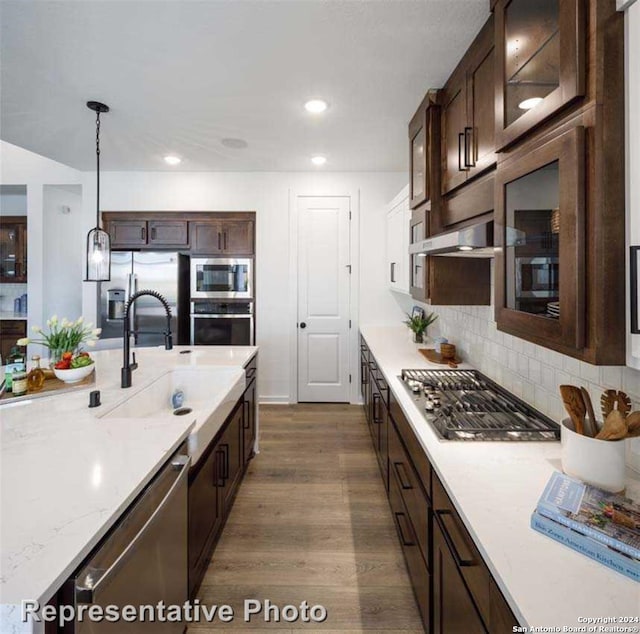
181 75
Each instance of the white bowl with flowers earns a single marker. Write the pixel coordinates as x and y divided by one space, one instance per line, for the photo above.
65 340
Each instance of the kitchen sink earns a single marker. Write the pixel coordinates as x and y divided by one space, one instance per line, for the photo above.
209 397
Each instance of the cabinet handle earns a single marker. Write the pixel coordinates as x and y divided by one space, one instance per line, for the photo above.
143 233
393 272
403 539
225 240
225 470
153 233
218 477
376 404
445 516
633 279
469 152
402 477
460 141
364 373
245 413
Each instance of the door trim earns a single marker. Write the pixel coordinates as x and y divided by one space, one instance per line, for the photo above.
354 247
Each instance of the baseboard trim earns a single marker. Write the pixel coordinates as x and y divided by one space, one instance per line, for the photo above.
274 400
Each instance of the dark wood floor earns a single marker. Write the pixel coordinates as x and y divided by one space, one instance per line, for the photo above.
311 523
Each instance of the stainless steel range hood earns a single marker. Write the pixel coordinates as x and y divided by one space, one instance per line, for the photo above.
472 241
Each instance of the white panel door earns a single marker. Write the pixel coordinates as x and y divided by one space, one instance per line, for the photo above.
323 299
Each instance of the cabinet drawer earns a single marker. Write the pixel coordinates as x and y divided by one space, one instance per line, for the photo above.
418 571
468 559
415 499
411 444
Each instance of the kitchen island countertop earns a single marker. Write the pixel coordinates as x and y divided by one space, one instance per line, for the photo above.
67 474
495 486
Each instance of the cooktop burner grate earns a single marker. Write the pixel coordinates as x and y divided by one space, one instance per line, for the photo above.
466 405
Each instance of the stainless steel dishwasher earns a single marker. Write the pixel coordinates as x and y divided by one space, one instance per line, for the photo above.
143 560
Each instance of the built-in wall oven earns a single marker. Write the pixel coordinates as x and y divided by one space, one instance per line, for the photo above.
221 323
537 277
221 278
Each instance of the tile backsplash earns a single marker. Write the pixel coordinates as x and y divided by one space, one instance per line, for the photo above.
530 371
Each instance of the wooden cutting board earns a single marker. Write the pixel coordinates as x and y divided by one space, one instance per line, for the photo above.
435 357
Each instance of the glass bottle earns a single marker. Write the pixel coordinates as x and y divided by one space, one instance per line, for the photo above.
35 378
15 363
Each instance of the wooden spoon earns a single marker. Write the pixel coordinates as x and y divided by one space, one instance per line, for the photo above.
590 429
614 428
612 399
574 404
633 424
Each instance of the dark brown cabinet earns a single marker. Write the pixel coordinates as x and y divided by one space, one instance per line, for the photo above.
205 514
13 249
445 281
168 233
453 587
201 233
214 480
131 232
10 331
454 611
226 237
540 227
231 459
424 132
468 114
540 55
250 404
127 233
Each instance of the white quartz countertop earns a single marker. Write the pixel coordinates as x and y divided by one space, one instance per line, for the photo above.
67 474
495 486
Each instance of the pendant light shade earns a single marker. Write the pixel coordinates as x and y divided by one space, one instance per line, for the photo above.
98 256
98 264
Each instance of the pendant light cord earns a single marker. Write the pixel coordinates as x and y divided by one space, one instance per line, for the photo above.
98 169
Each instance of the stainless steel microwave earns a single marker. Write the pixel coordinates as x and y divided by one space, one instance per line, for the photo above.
218 278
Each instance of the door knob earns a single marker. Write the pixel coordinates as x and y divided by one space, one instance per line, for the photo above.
303 325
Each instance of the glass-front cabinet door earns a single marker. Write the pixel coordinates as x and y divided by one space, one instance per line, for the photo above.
13 249
540 228
421 137
540 62
417 261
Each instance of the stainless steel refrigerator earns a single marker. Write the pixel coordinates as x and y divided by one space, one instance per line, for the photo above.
133 271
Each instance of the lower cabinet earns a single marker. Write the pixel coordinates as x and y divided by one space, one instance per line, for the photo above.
454 590
453 609
214 480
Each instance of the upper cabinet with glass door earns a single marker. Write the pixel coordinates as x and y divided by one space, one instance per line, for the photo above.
540 224
422 134
540 68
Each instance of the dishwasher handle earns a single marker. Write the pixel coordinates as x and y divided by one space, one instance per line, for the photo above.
96 578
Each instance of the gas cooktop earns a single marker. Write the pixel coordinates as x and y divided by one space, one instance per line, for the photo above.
466 405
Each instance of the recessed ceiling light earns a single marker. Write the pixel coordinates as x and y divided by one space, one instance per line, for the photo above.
171 159
234 144
527 104
316 106
318 160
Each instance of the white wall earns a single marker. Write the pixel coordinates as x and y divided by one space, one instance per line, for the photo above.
267 194
63 251
22 167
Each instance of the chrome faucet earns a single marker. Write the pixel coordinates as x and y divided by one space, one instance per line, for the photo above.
128 367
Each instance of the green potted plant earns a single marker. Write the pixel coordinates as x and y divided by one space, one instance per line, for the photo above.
418 322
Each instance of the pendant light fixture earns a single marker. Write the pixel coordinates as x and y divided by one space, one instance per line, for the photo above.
98 242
